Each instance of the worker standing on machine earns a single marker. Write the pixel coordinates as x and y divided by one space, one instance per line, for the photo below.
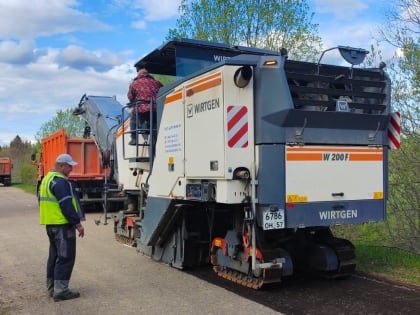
61 213
142 93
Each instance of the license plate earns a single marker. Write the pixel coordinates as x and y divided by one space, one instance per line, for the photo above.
273 219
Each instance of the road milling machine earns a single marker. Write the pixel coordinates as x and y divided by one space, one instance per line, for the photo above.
252 159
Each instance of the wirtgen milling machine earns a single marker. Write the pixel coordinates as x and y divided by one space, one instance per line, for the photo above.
251 161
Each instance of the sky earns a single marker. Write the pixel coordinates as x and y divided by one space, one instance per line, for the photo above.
54 51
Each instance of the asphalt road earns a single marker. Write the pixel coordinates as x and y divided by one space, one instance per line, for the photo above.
116 279
112 278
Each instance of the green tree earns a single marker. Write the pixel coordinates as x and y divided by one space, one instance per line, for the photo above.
402 31
19 152
404 202
74 125
269 24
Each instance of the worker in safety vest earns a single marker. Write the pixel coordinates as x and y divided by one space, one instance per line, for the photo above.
61 213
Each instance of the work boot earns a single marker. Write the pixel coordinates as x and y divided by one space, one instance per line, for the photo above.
50 287
68 295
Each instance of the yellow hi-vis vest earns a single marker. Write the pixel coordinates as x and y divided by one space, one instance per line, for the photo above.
49 207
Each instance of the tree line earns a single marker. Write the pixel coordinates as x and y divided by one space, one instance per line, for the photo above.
24 154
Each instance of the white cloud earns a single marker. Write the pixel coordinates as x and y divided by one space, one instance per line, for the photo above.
343 9
42 18
30 96
140 24
359 35
79 58
36 82
24 52
350 23
158 10
15 52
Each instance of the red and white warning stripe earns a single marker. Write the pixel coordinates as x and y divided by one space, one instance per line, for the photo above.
394 130
237 126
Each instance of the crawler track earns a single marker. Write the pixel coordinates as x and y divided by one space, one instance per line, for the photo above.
345 252
267 276
125 240
239 278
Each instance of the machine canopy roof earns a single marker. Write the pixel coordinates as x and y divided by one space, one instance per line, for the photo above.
181 57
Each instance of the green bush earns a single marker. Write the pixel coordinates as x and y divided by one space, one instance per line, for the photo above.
28 174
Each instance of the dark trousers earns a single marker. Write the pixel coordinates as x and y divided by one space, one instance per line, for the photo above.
140 123
62 252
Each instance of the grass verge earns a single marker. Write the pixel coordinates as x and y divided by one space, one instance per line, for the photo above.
25 187
388 263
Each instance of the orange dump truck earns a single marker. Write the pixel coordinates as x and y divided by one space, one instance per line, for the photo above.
5 171
88 177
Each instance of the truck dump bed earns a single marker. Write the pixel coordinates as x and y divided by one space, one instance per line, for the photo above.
82 150
5 171
89 177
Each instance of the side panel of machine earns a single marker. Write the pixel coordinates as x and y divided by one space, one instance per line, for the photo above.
271 174
168 165
167 180
204 132
194 128
218 131
239 137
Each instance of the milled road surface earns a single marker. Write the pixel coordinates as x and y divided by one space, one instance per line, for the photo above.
115 279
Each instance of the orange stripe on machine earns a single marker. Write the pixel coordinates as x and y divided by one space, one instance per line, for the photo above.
204 86
175 96
197 86
216 75
334 154
329 149
304 157
123 128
